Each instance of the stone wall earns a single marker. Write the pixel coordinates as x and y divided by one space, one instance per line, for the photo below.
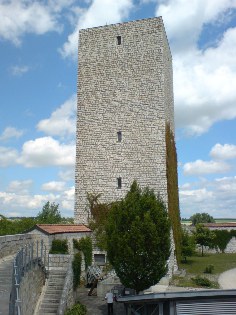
67 298
123 88
30 289
11 244
59 261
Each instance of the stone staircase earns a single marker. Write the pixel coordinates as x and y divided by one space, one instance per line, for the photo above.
51 297
6 268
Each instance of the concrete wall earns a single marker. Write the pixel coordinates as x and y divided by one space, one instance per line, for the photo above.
125 88
30 289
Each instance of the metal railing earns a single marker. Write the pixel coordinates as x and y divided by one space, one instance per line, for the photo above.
27 258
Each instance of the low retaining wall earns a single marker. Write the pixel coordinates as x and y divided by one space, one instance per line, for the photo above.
59 261
30 289
230 248
67 298
11 244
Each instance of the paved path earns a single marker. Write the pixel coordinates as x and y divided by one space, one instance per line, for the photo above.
5 283
227 280
97 305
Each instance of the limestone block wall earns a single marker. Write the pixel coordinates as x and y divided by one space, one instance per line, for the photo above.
68 297
231 246
30 289
125 88
11 244
59 261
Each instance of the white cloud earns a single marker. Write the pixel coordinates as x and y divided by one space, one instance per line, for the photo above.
115 12
18 17
11 132
54 186
18 186
223 152
184 19
68 174
47 151
62 121
8 156
68 199
24 204
19 70
200 167
25 201
202 77
216 197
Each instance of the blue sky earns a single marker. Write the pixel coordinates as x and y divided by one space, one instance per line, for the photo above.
38 49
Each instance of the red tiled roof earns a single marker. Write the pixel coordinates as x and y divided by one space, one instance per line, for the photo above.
62 228
228 224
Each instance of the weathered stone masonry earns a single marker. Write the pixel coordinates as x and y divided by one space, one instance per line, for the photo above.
122 87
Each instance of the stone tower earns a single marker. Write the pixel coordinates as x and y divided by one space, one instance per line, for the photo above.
125 100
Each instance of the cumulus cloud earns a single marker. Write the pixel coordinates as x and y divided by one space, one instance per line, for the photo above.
62 121
216 197
47 151
54 186
203 76
17 186
8 156
11 132
68 198
68 174
18 17
223 152
25 201
200 167
24 204
93 16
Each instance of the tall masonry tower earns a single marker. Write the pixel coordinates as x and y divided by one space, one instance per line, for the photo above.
125 102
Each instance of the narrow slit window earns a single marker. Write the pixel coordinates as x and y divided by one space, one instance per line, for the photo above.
119 183
118 40
119 136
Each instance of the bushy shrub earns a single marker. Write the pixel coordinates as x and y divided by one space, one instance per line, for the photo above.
77 309
76 266
85 245
202 282
59 247
209 269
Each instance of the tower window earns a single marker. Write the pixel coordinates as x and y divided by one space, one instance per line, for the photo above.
118 40
119 184
119 136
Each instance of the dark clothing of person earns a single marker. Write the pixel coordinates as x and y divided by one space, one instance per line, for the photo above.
110 308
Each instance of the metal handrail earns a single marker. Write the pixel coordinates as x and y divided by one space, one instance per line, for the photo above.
27 257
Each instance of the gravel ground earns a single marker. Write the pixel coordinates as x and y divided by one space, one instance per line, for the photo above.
227 280
97 305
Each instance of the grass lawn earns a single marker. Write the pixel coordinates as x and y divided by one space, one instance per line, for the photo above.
221 262
196 266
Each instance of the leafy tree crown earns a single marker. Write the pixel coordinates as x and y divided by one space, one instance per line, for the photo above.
138 238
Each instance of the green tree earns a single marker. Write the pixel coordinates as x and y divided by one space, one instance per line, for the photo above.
138 238
222 238
49 214
201 218
188 245
204 237
16 226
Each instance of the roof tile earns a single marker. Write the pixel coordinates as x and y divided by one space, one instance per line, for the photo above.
63 228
